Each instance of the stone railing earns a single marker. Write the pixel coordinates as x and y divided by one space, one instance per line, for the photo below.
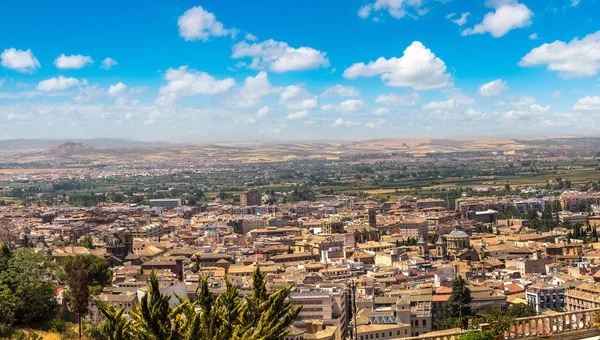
558 323
569 325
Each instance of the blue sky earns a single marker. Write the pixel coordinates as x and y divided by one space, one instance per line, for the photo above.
218 70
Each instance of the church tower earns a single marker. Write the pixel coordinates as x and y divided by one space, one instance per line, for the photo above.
372 217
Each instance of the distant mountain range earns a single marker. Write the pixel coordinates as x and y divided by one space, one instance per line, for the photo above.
117 151
23 145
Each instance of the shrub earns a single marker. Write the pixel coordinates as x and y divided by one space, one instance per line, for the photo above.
474 335
57 325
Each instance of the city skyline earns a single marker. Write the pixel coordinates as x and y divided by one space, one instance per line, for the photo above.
235 70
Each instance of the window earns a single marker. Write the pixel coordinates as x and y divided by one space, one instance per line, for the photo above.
390 333
424 322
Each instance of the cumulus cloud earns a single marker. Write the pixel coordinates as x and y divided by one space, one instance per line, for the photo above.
250 37
556 94
58 83
341 122
460 21
577 58
493 88
444 105
380 111
587 103
199 24
297 115
108 63
474 114
183 83
347 106
250 94
19 60
398 100
375 124
279 56
116 89
533 36
263 112
396 8
296 97
418 68
521 100
508 15
340 91
74 61
526 112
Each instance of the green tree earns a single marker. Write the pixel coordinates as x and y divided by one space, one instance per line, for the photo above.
86 242
115 326
260 316
520 310
27 283
458 305
79 292
99 273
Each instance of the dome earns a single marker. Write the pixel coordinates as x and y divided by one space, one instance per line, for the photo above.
457 233
440 241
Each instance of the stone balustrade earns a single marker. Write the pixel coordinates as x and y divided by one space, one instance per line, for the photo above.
569 325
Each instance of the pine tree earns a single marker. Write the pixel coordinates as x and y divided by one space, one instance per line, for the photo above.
115 327
152 318
458 303
260 316
79 293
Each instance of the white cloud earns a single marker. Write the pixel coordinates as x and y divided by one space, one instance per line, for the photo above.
279 56
533 36
108 63
445 105
418 68
521 100
116 89
500 104
182 83
396 8
252 92
556 94
341 91
198 24
493 88
347 106
398 100
587 103
462 20
263 112
74 61
58 83
380 111
575 2
295 97
526 112
297 115
474 114
376 124
340 122
508 15
19 60
89 93
577 58
250 37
